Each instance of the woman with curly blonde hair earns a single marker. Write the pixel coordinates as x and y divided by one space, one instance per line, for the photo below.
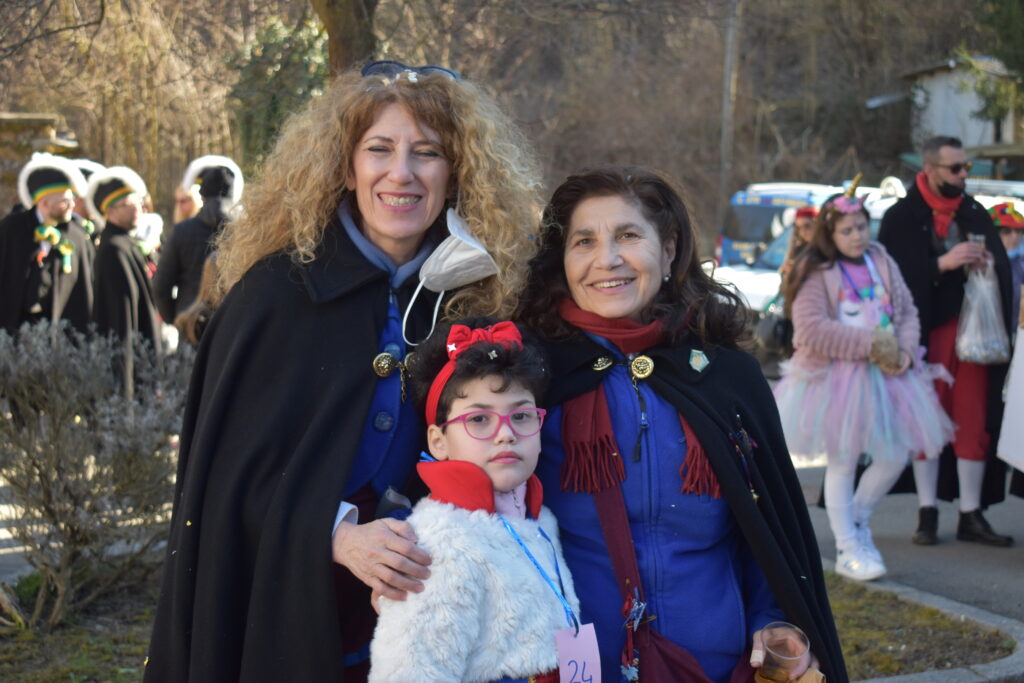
298 430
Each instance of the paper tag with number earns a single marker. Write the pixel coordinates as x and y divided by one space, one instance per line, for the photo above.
578 658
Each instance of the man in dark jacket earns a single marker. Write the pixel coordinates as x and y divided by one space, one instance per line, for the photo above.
936 234
182 256
46 258
124 301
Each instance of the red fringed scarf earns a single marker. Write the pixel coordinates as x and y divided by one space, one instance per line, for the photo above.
943 209
593 461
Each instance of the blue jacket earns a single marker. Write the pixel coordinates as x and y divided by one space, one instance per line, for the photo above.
700 580
713 570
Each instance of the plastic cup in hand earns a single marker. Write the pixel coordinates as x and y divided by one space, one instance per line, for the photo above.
786 649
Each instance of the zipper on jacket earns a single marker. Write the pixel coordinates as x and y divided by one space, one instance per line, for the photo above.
643 413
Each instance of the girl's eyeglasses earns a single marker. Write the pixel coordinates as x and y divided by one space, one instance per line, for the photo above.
485 424
392 69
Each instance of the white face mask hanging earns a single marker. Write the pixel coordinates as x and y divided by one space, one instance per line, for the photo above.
459 260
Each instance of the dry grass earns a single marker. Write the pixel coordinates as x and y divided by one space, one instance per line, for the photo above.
882 635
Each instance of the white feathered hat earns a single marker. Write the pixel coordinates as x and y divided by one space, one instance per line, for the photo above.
196 173
45 174
106 187
88 167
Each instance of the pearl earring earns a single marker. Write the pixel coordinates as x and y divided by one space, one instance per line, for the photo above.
666 278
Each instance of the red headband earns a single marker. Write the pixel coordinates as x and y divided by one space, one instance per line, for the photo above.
461 338
806 212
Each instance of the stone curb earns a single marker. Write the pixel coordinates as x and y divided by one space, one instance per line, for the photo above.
1009 669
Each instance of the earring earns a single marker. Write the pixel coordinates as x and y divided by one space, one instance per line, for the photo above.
666 278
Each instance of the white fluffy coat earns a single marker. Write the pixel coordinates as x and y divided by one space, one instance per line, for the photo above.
484 613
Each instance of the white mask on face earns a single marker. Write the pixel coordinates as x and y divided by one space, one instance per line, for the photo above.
459 260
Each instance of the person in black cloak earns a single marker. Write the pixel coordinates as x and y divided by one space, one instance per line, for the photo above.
298 420
220 185
46 258
663 457
124 301
85 215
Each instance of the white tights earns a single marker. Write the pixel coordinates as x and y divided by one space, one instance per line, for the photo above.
926 479
848 509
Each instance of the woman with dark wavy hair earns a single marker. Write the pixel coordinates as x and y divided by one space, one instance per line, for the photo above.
663 458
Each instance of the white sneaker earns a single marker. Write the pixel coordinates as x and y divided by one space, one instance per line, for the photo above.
858 564
868 544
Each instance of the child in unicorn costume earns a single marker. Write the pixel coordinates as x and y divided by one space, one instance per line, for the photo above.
857 384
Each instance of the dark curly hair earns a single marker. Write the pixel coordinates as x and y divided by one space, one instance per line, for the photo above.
523 365
691 303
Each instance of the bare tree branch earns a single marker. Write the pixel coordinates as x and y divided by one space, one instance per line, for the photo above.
37 32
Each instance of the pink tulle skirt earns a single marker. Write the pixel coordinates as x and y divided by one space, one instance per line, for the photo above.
851 407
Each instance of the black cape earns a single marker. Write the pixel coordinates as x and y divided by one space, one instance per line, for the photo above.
907 232
777 526
28 292
279 396
124 300
181 260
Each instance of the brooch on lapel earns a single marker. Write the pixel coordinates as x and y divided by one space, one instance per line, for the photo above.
744 446
641 367
384 364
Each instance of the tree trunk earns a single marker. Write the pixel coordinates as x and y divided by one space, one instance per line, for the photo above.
730 74
349 25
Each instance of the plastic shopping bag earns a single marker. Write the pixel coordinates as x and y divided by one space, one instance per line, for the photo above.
981 335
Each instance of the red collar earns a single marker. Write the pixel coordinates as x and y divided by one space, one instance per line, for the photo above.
468 486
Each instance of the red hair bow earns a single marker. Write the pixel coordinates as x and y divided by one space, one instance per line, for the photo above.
460 338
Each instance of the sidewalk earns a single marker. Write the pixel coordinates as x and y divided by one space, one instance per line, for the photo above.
968 580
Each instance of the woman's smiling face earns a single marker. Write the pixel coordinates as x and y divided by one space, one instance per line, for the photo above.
400 176
614 259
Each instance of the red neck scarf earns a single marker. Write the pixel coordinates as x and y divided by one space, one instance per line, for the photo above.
942 208
627 335
593 460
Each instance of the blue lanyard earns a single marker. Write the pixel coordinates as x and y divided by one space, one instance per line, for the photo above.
876 280
570 618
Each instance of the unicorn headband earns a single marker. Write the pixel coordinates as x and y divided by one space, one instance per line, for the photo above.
848 202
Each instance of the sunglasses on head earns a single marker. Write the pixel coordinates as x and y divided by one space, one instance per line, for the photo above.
956 168
392 69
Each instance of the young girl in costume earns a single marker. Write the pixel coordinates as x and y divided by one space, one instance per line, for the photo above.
856 383
499 587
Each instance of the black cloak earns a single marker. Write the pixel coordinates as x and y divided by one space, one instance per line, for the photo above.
907 232
52 293
777 527
279 396
182 257
124 301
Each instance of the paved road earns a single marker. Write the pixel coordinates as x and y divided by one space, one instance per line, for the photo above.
988 578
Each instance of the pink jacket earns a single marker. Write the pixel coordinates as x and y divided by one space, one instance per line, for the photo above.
819 337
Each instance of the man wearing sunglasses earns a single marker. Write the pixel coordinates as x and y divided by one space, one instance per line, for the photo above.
937 233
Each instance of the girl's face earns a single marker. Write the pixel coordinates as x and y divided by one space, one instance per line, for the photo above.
805 228
507 458
851 235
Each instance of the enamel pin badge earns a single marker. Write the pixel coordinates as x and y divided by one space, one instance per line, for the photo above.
698 361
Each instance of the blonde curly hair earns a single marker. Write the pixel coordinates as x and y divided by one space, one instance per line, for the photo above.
302 183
